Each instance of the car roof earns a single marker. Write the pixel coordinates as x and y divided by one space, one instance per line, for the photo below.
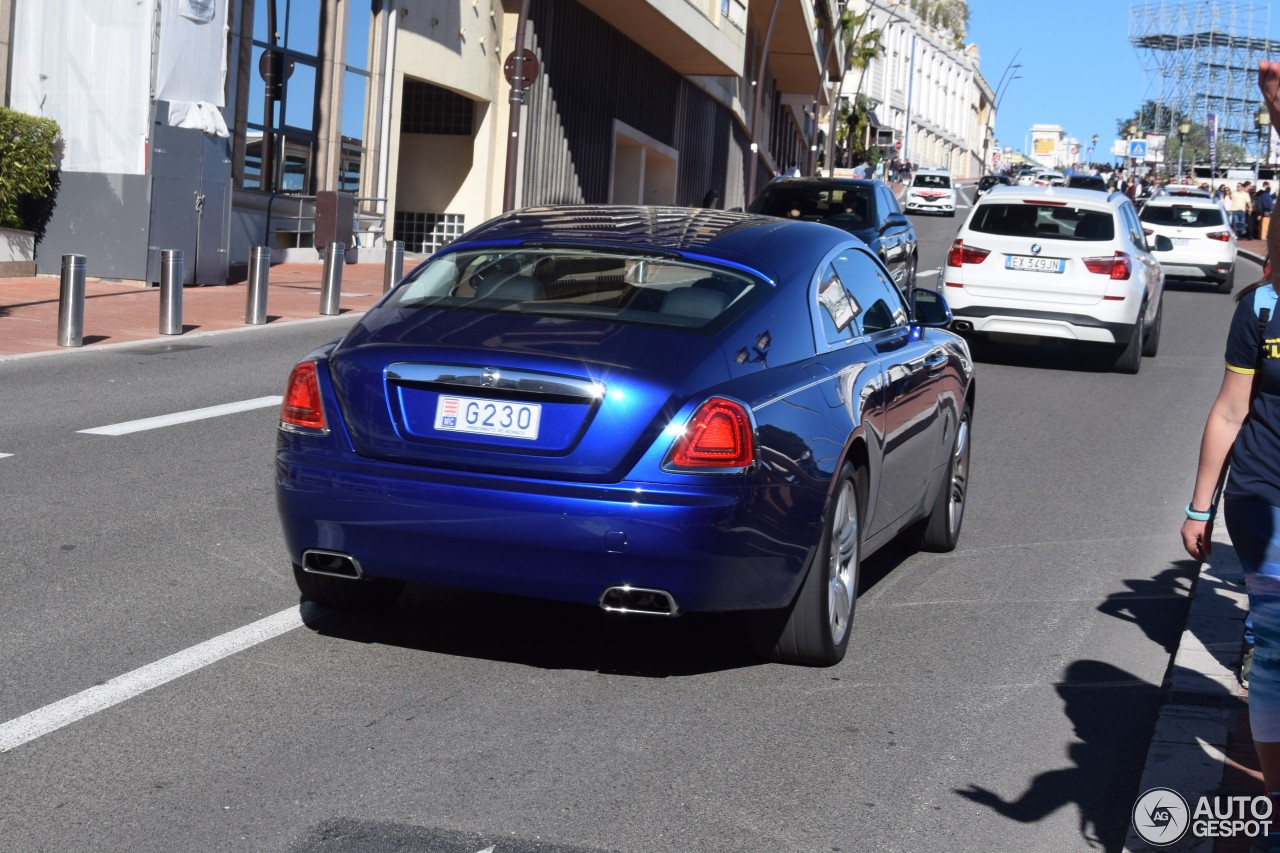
823 182
1068 195
1172 200
775 248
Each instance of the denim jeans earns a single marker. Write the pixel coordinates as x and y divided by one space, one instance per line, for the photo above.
1255 532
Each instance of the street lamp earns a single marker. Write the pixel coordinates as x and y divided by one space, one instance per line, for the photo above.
1184 127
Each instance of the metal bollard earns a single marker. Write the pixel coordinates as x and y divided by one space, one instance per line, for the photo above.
255 307
170 291
71 302
331 286
393 270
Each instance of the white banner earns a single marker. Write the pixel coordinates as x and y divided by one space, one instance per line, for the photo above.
86 64
192 65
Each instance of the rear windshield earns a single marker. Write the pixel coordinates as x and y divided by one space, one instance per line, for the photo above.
552 282
1183 215
850 208
1044 221
941 182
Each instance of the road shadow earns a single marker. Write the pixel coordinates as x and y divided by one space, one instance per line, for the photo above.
1147 603
546 634
1045 355
1113 714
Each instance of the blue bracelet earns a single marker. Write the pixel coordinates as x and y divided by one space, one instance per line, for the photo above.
1194 515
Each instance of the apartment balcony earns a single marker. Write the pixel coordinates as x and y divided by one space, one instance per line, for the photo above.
798 49
691 36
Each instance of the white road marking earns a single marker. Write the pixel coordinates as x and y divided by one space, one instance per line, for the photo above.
184 417
927 273
5 455
64 712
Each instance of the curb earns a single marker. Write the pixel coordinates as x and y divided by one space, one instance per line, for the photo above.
1189 744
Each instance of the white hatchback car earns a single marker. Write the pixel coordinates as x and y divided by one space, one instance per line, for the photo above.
1204 246
1052 262
931 190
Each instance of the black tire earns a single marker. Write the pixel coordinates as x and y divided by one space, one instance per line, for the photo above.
1130 358
363 595
1151 341
814 630
1228 282
942 527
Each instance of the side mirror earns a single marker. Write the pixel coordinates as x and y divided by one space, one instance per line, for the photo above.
929 308
1162 244
895 220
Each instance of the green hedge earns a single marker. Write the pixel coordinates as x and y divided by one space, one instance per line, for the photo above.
27 146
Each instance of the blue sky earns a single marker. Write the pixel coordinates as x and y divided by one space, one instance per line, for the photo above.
1078 68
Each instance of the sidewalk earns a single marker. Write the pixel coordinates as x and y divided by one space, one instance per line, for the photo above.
116 312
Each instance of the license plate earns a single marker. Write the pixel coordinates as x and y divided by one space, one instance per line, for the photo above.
1026 262
1182 241
488 417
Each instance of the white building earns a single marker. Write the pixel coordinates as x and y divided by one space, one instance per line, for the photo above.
926 86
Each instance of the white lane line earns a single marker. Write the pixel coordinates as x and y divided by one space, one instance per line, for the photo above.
927 273
5 455
64 712
184 417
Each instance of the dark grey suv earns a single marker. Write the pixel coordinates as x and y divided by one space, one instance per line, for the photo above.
866 209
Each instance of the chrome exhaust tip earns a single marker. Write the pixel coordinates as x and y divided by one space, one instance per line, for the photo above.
335 564
634 599
962 326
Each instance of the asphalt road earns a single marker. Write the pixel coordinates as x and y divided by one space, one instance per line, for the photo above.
999 698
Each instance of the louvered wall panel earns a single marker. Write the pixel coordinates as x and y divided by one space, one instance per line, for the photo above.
591 74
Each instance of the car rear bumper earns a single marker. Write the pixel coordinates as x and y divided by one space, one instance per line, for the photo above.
936 207
712 548
1040 324
1194 269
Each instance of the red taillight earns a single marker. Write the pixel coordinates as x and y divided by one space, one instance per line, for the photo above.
302 406
1118 267
1148 232
1220 236
961 254
719 436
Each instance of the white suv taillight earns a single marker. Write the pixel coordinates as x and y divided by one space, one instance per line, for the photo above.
1118 267
302 409
1220 236
961 254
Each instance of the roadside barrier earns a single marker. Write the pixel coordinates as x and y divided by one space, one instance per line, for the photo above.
170 291
393 268
71 302
255 308
331 285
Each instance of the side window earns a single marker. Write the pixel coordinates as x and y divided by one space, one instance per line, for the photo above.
1133 225
888 202
870 290
837 312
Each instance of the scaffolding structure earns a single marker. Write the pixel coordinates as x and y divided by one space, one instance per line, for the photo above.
1202 57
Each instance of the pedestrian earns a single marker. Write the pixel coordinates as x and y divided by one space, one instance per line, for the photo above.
1265 204
1243 429
1240 211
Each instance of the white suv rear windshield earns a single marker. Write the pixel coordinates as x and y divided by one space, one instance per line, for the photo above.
1183 216
1044 221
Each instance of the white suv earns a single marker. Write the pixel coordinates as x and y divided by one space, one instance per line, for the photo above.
931 190
1204 246
1051 262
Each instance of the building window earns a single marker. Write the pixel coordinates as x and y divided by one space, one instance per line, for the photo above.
428 232
431 109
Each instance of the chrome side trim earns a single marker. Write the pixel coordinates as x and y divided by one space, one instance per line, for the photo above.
479 379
